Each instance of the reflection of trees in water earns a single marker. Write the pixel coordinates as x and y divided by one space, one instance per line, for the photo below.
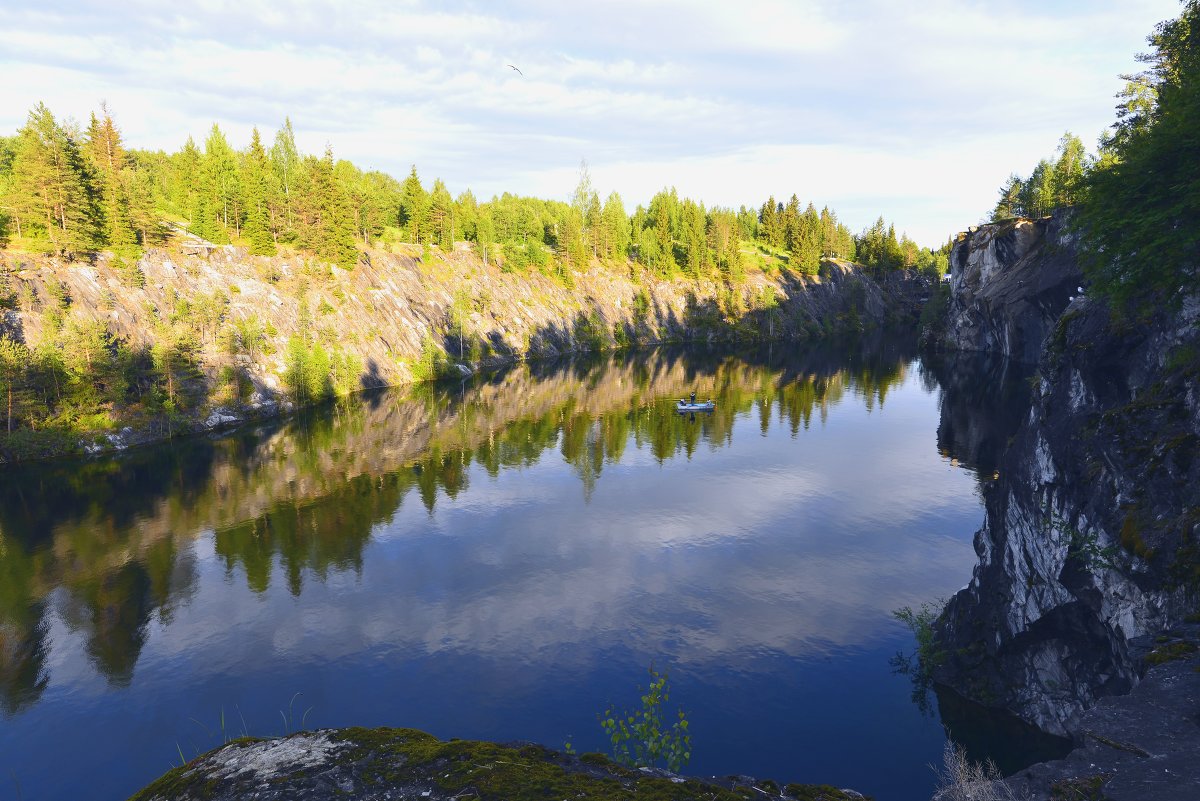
307 494
23 650
321 535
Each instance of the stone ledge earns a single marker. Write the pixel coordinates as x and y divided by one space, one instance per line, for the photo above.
384 764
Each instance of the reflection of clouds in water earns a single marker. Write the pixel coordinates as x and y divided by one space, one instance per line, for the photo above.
736 553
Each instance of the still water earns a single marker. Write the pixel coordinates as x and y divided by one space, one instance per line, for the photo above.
502 559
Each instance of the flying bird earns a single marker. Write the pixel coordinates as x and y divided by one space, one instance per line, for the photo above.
518 71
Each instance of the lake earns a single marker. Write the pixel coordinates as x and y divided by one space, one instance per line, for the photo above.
505 557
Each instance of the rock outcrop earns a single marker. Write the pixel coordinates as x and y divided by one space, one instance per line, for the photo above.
382 764
1137 746
1009 282
1092 528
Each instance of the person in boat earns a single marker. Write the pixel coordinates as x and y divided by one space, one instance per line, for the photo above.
693 398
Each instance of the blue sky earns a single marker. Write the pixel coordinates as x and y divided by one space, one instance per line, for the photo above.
914 111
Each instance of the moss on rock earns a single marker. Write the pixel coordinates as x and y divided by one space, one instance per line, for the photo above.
385 763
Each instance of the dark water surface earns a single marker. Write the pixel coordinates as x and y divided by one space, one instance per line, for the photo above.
502 559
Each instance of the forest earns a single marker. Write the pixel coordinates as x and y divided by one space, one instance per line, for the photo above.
70 190
1136 203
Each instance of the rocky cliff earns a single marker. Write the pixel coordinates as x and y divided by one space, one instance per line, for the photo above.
398 310
1009 282
1092 524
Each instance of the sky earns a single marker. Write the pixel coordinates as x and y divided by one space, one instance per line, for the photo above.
917 112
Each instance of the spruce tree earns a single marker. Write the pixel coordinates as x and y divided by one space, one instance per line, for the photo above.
1009 203
254 198
335 232
220 186
441 215
414 208
184 184
109 164
615 224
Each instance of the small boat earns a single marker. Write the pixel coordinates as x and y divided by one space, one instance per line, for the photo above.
693 406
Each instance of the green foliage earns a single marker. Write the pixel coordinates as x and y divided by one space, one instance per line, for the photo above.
432 363
642 738
1082 547
919 665
590 333
316 374
921 621
308 375
1171 652
50 193
1052 184
255 172
933 313
641 306
130 273
1140 241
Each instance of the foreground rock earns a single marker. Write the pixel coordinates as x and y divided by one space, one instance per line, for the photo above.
378 764
1144 745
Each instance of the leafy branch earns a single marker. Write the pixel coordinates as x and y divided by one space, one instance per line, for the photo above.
642 738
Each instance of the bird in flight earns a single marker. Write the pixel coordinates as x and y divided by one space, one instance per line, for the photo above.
510 66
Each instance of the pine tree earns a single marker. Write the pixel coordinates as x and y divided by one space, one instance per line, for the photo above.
51 187
254 198
1009 203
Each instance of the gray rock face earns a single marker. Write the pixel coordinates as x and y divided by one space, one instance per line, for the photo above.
1009 283
1091 529
1137 746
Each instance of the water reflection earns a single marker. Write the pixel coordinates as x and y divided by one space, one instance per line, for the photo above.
549 529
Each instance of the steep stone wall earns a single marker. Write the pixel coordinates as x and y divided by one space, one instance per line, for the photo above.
1091 530
1009 282
389 309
